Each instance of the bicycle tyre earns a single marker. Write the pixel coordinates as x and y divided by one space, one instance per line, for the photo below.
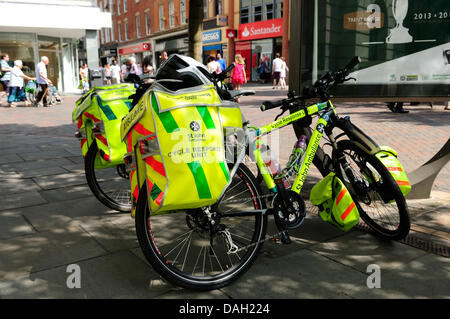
102 195
393 226
158 258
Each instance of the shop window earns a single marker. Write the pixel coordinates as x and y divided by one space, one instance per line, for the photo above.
19 47
119 31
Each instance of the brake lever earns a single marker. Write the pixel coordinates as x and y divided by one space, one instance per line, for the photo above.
284 110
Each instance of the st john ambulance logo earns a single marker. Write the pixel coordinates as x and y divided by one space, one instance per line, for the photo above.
194 126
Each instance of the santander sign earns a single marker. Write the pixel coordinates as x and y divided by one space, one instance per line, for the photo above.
261 30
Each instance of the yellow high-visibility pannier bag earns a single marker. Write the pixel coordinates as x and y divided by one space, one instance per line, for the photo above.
103 107
178 137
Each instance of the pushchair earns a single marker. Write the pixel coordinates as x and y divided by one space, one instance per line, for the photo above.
32 90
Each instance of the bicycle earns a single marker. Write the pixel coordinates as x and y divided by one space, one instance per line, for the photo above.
97 115
209 247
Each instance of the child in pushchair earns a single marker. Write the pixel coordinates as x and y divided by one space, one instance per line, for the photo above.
32 90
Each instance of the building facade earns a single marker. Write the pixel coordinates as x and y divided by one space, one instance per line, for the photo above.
50 28
257 29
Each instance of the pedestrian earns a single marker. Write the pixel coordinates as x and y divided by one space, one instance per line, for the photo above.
397 107
447 106
16 87
6 74
213 65
108 74
163 57
276 70
134 69
124 69
43 81
84 78
284 70
115 72
263 69
147 67
221 61
238 76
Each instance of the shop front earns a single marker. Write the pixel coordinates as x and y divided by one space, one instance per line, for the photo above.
139 51
214 43
258 42
30 47
179 45
108 54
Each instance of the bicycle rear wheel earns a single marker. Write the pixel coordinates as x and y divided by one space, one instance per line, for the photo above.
189 251
367 179
110 185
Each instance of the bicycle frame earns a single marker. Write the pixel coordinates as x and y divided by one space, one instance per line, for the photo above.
310 150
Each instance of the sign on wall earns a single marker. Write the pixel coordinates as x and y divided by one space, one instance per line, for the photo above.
399 41
261 30
212 36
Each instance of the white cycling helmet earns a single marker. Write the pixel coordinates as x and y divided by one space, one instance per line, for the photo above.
185 70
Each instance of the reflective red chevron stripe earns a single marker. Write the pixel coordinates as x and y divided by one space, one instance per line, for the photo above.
403 183
92 117
83 141
157 166
394 169
341 194
102 139
129 142
132 174
347 211
159 199
138 127
80 122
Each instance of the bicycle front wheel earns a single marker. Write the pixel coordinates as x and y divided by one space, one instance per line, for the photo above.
189 251
110 185
367 179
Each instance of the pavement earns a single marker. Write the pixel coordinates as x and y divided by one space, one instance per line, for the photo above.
49 219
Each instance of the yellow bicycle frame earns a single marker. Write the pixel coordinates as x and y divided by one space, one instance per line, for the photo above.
310 150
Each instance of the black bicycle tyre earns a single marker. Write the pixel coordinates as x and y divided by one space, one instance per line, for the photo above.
95 186
404 224
156 260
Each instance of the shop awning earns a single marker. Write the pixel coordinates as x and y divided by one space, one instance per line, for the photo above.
62 20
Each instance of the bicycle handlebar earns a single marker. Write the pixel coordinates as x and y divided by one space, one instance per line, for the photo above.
320 87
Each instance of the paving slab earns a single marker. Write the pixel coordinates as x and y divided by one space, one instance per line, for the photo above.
303 274
13 225
66 193
16 185
425 277
45 250
10 158
113 232
21 200
359 249
61 180
59 214
45 155
120 275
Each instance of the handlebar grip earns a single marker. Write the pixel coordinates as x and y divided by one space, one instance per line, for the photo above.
267 105
353 62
